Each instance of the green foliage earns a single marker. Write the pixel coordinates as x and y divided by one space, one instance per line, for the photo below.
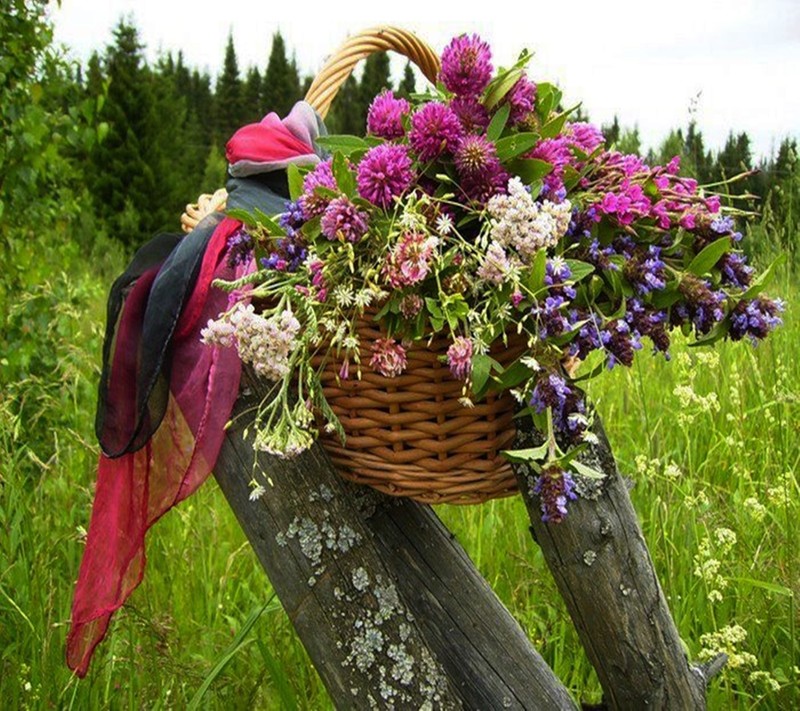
228 108
281 87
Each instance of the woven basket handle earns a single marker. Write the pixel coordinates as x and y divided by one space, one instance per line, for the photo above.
377 39
324 88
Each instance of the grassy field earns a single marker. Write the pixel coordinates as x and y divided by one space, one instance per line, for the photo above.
711 440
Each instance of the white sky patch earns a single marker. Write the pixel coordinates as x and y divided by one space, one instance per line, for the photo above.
643 61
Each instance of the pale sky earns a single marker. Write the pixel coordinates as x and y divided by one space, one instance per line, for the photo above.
644 60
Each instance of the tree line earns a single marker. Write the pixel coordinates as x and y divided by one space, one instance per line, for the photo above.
139 140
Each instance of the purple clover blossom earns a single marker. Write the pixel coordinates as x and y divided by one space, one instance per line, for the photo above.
475 155
619 343
240 248
466 65
555 151
435 129
555 488
646 271
482 187
521 99
342 219
472 113
755 318
384 173
550 317
385 116
311 203
735 271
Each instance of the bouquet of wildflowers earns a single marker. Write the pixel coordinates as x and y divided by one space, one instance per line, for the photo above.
482 212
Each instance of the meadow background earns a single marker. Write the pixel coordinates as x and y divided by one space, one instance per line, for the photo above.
93 160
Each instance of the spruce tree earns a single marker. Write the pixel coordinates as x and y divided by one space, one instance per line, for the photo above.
252 96
374 80
347 115
408 84
228 111
123 179
281 85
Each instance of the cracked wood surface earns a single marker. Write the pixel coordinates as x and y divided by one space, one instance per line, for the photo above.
388 605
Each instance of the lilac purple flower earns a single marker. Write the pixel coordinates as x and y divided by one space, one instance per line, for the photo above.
343 220
385 116
567 404
310 201
755 318
735 271
550 317
466 65
384 173
585 136
435 129
646 271
619 343
645 320
556 274
555 488
459 357
701 306
240 248
484 186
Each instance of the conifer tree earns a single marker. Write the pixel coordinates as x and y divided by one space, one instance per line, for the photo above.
252 96
408 84
347 114
228 109
374 80
281 85
123 178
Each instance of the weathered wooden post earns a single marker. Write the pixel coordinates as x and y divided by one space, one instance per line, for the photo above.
388 605
605 575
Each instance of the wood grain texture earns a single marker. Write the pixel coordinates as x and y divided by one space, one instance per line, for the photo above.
390 609
604 572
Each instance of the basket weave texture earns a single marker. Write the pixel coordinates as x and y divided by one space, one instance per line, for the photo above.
409 435
412 436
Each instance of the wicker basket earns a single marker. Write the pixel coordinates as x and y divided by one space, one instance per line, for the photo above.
410 435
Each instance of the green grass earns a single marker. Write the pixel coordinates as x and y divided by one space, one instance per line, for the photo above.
202 619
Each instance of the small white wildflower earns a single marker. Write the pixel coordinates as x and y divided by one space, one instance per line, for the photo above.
757 510
444 224
531 362
343 295
590 437
466 402
672 471
351 342
257 492
363 298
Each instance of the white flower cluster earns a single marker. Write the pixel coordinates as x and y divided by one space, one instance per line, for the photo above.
265 343
527 226
495 266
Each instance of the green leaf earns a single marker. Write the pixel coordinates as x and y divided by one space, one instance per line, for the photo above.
535 454
498 123
514 375
553 127
588 472
481 367
770 587
530 169
500 86
538 268
345 144
242 215
762 281
344 176
265 221
579 269
715 334
295 181
238 643
515 144
709 256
